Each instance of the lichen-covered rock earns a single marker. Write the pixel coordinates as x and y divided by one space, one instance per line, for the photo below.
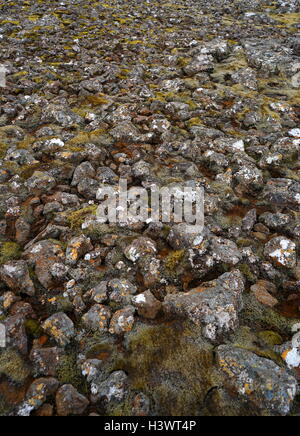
60 328
47 258
85 169
98 293
140 247
97 318
121 291
181 236
200 63
45 361
122 321
40 183
282 252
16 276
141 405
268 388
77 248
162 95
225 251
147 305
70 402
249 220
214 306
113 389
37 395
283 192
15 333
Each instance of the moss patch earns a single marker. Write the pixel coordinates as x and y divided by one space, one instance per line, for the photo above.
9 251
13 366
172 365
77 218
69 372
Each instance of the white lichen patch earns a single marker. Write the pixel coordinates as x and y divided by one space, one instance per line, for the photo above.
284 252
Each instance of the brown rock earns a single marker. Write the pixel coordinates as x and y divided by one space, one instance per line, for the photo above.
45 410
263 296
147 305
70 402
16 276
45 360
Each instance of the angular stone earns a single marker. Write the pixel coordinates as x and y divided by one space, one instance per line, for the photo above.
282 252
45 361
263 296
214 306
266 386
16 275
40 183
70 402
122 321
97 318
147 305
121 291
60 327
140 247
112 389
77 248
282 192
37 394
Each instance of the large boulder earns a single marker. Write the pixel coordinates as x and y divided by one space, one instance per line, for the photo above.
214 306
268 388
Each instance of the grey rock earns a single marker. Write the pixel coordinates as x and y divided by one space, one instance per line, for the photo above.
40 182
45 361
257 381
281 251
140 247
113 389
283 192
214 306
121 291
122 321
60 328
84 170
147 305
70 402
97 318
37 394
16 276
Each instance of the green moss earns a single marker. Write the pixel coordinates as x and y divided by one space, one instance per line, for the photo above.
123 409
244 242
4 407
257 343
9 251
33 328
173 259
3 149
13 366
80 138
69 372
194 122
259 316
270 338
77 218
170 364
97 100
246 270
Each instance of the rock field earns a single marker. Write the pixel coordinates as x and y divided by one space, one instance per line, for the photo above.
143 319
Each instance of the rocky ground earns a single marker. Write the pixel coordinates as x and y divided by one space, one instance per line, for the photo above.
138 320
